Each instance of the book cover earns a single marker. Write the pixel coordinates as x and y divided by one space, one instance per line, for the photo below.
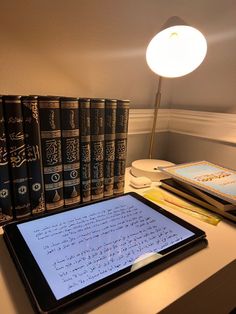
122 118
109 150
97 117
6 212
70 150
33 153
17 155
85 149
206 176
50 129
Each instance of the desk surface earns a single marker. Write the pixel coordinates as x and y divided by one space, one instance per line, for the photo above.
149 294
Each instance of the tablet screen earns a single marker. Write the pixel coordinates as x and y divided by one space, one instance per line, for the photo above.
79 247
64 257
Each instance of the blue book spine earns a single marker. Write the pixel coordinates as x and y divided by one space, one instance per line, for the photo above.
33 153
50 129
6 212
17 155
109 151
122 118
70 150
85 149
97 117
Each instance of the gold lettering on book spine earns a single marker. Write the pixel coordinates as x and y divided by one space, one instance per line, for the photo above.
19 136
33 153
32 105
52 119
72 119
3 156
15 120
53 152
41 205
17 156
72 153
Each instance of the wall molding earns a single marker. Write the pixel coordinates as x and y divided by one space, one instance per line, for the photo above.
209 125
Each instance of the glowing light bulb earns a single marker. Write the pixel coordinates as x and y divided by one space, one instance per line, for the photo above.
176 51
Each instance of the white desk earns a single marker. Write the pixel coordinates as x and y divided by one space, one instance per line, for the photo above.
150 293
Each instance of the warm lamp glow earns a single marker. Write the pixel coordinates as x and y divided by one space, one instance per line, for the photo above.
176 51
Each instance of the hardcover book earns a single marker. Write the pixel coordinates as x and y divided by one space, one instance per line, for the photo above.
50 128
122 118
33 153
207 177
6 213
97 117
17 155
85 149
210 198
109 151
177 188
70 150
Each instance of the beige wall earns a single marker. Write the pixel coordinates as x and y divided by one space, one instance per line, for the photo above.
180 148
138 147
183 148
96 48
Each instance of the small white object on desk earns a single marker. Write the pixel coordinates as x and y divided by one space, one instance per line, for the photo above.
140 182
150 168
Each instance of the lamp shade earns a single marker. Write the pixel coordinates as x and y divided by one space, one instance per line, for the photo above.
176 51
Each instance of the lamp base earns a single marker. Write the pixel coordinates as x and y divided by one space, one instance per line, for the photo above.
149 168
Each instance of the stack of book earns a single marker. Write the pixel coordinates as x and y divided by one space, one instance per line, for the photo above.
58 152
206 184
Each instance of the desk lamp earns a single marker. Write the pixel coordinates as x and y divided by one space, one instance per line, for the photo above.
178 49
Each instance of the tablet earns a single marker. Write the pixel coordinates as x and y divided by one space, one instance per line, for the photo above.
66 256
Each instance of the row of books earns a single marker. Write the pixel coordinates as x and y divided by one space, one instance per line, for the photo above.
57 152
206 184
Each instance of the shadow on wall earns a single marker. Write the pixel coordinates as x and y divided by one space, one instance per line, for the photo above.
184 148
138 147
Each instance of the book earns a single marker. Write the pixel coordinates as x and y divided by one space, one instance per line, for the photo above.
177 188
33 153
50 129
207 180
97 117
169 200
122 118
6 212
109 150
70 150
210 198
85 149
17 155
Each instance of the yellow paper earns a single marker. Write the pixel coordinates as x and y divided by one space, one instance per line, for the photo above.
162 197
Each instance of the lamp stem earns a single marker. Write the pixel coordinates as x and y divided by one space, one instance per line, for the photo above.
156 108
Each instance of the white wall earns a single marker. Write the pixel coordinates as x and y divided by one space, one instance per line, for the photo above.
96 48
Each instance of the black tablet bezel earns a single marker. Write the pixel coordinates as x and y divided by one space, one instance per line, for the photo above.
37 285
